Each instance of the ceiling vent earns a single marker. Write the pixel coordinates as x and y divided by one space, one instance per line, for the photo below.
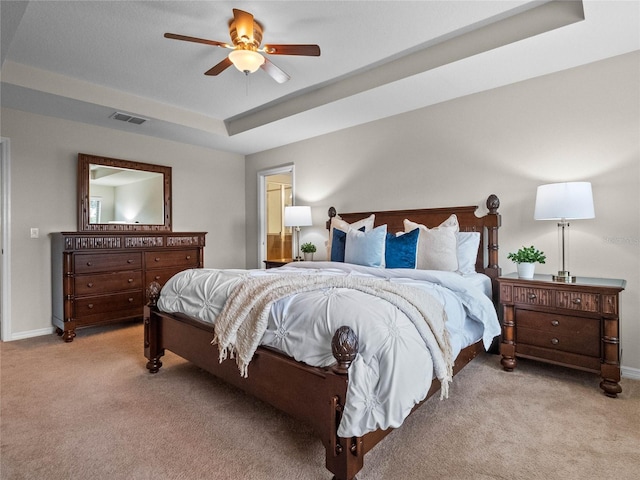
125 117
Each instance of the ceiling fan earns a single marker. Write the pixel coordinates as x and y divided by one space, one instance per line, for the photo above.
246 55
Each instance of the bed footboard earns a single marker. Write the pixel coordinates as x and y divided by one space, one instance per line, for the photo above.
274 378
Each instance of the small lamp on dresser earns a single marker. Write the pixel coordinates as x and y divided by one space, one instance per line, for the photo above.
296 217
563 202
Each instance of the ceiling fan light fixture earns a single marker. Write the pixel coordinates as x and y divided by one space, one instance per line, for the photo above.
247 61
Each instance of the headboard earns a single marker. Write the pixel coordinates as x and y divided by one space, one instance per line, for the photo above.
487 225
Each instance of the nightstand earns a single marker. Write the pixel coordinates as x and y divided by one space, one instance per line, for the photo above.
277 262
575 324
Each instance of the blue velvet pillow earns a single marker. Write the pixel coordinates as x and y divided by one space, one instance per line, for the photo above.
338 243
366 248
401 251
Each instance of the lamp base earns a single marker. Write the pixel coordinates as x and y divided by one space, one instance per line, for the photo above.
565 277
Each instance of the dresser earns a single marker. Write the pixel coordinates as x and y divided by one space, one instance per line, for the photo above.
101 277
570 324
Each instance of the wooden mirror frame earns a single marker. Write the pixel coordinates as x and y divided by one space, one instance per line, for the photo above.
84 160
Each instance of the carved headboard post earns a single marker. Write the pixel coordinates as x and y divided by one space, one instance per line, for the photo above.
332 213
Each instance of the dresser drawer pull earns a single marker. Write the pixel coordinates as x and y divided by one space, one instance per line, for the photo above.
532 296
157 259
130 300
188 257
90 305
555 341
129 261
555 323
157 277
90 284
577 301
130 280
89 264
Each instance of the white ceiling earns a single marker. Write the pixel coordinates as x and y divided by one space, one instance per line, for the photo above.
85 60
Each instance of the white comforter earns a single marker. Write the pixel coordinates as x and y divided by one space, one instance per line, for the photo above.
394 368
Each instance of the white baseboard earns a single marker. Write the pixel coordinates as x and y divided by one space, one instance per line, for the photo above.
32 333
632 373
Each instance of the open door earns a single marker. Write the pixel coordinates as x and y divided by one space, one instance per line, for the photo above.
275 193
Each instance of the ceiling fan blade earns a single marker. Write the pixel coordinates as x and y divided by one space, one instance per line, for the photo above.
220 67
175 36
274 72
244 24
307 50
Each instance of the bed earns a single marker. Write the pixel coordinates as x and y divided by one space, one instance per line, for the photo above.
322 396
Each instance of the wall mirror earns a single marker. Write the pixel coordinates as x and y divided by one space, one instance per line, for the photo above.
121 195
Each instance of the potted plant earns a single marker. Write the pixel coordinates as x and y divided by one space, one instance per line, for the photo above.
526 259
308 249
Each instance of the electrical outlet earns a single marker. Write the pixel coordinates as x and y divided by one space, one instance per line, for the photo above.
35 233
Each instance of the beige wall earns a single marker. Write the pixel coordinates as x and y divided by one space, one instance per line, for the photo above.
581 124
208 194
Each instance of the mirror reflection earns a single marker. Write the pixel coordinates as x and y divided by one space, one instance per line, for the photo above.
125 196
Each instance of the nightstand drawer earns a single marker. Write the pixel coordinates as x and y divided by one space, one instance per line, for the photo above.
580 344
584 302
532 296
559 324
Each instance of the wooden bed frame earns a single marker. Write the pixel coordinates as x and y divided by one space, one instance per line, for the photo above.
311 394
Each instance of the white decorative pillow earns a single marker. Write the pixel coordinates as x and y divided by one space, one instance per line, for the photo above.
366 248
337 222
437 247
468 243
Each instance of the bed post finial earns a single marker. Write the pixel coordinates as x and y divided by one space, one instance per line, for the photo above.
344 346
493 203
332 213
153 293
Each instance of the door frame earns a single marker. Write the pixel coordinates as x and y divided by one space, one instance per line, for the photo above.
5 267
262 207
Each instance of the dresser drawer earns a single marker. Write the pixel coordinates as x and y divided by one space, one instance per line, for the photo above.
172 258
102 262
532 296
558 341
160 275
584 302
108 282
560 324
109 303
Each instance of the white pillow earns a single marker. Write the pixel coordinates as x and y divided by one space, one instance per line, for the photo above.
468 243
366 248
437 247
337 222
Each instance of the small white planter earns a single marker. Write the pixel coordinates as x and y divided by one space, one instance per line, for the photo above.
526 270
308 257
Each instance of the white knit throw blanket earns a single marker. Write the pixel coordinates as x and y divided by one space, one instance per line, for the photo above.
244 318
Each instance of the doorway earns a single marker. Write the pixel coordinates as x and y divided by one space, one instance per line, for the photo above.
275 192
5 266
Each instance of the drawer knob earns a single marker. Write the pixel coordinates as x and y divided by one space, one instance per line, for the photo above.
88 264
130 280
157 259
129 261
532 296
577 301
555 341
157 277
555 323
90 305
90 284
188 257
130 300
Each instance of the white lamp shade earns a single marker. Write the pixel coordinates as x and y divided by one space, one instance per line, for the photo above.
246 60
297 216
564 201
